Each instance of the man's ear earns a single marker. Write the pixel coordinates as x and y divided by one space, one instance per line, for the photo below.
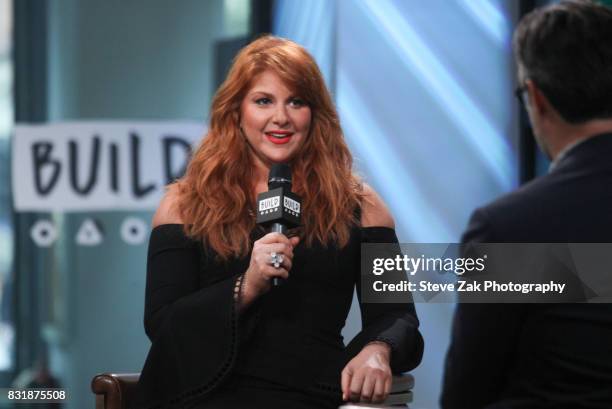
537 99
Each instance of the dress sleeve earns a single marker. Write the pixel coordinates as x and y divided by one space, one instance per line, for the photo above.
193 328
394 323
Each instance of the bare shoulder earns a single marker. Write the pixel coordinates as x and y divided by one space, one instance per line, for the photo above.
374 211
167 211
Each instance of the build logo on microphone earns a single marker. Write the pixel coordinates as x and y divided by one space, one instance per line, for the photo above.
291 206
270 204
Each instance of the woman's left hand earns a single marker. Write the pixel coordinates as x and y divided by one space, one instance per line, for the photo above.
367 377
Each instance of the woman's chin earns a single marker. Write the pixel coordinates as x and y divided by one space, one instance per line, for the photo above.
278 157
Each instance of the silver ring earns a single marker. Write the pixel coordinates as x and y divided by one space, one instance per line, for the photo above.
276 259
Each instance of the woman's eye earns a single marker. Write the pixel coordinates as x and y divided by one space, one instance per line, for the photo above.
297 102
263 101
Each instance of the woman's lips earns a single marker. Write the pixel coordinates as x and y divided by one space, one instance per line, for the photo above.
279 138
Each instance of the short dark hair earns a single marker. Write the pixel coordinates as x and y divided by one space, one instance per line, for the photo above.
566 50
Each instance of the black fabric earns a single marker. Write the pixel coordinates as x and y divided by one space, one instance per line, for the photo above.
288 337
539 356
185 316
262 394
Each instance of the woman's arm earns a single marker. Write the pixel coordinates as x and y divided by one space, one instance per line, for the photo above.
394 323
390 337
374 211
168 211
194 328
172 264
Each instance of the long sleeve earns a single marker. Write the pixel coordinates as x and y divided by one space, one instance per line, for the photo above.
483 341
172 273
394 323
193 326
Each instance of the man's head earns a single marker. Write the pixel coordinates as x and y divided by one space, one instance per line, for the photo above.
564 58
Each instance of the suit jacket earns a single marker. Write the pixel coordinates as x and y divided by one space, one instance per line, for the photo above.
539 355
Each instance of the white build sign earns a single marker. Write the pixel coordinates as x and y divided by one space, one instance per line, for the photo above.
91 166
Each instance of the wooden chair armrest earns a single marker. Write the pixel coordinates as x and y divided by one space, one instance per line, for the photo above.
114 391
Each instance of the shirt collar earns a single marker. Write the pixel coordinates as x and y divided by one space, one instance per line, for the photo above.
555 163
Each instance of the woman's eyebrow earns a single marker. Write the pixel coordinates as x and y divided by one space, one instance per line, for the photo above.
255 91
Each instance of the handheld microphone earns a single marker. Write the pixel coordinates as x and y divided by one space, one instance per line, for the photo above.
279 209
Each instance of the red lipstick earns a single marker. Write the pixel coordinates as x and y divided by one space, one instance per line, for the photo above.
279 137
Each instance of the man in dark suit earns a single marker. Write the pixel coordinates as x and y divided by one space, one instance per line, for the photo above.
548 355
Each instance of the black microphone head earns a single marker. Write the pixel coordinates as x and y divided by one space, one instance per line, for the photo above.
280 175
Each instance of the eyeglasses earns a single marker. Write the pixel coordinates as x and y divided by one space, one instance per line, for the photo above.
519 93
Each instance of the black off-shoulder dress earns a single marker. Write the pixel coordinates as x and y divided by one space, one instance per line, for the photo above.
285 350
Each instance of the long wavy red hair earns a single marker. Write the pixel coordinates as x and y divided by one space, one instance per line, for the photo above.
215 196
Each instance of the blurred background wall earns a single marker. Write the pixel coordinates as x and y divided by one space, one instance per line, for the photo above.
424 91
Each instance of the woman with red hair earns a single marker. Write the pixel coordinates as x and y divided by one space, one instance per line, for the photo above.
222 336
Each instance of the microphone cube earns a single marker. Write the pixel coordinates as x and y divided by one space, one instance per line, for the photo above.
279 205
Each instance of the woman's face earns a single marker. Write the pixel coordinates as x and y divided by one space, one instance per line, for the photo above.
274 120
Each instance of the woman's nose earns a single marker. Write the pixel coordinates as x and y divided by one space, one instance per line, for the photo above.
280 117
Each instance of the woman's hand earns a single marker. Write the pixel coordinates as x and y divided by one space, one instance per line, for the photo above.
367 377
258 277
